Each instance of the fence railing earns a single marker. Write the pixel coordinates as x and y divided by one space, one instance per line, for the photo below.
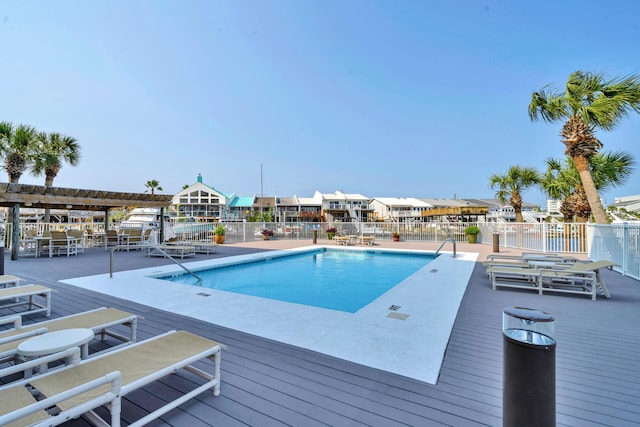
619 243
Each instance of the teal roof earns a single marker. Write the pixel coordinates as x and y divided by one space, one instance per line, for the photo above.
242 202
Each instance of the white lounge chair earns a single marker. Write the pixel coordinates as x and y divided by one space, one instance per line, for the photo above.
527 260
579 278
8 280
19 407
139 364
29 295
102 321
203 246
178 250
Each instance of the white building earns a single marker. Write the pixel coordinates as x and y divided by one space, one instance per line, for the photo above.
201 203
398 209
346 207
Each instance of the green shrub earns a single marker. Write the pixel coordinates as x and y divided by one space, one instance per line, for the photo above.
472 229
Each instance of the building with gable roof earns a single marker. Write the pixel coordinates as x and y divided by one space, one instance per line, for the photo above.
200 202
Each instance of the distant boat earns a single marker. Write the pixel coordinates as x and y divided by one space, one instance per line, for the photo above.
142 218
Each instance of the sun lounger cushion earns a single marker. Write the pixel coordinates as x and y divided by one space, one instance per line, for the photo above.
138 364
16 398
30 293
98 320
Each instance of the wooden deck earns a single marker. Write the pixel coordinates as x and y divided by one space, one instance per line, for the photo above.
266 383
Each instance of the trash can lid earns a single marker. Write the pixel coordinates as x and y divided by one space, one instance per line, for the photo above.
529 314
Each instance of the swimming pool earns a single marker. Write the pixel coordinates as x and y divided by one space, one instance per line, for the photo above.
326 278
404 331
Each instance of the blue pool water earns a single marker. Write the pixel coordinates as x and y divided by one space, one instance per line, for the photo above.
334 279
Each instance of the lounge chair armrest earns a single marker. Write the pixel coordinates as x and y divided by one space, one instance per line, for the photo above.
113 396
565 273
72 354
16 320
26 334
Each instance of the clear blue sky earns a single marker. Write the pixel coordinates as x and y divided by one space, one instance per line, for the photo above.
378 97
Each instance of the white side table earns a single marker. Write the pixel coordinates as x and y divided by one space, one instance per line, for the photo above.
53 342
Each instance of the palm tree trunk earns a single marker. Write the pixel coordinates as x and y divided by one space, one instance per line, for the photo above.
519 217
582 164
48 182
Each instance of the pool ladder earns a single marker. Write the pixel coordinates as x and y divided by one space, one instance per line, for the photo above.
445 241
158 249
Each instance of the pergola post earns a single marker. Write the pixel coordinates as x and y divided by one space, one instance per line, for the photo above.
106 219
15 234
161 239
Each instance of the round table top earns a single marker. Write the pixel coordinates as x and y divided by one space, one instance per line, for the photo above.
52 342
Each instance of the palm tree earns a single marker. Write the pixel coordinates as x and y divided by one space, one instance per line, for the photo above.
153 185
52 151
589 102
562 181
559 183
17 146
511 185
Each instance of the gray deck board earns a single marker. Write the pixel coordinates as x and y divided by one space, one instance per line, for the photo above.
267 383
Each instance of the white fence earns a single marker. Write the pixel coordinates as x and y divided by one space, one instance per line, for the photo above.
619 243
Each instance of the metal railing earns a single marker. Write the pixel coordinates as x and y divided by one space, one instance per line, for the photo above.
453 241
156 247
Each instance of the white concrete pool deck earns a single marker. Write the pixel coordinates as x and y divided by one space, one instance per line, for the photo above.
410 341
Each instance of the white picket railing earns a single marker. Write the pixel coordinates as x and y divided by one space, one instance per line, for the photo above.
619 243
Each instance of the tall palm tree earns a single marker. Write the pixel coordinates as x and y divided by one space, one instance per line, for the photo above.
17 145
153 185
512 184
53 149
562 181
589 102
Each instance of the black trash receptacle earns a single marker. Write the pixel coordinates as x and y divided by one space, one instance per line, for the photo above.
529 382
496 242
315 236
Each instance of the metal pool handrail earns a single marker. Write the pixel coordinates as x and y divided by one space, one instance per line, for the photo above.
161 251
445 241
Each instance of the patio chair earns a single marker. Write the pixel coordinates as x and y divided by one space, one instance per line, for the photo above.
111 238
102 320
146 236
61 244
135 240
139 364
29 295
79 235
44 243
28 242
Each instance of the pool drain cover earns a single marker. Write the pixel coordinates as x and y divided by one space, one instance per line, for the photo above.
394 307
399 316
